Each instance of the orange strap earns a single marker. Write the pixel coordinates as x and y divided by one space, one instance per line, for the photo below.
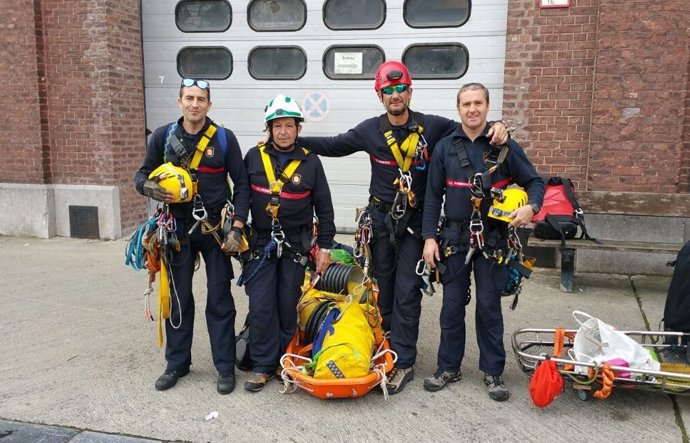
558 341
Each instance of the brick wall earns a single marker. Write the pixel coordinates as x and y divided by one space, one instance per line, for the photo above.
76 82
22 149
599 91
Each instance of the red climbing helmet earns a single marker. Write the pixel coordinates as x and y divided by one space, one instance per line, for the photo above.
391 73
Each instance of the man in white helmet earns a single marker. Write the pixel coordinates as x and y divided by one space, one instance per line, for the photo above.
288 186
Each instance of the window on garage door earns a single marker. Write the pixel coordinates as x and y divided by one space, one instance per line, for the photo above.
436 61
203 15
211 63
276 15
436 13
352 62
277 63
354 14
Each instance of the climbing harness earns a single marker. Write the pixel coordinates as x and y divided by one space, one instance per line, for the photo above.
412 152
278 238
480 187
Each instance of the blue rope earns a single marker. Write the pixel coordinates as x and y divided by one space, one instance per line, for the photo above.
270 247
135 253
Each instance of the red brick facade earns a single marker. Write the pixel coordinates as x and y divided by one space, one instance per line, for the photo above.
599 92
74 70
22 151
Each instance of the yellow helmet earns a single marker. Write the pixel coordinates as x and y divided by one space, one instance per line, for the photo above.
512 199
174 179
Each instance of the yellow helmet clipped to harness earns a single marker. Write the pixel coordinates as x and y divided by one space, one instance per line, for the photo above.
174 179
504 205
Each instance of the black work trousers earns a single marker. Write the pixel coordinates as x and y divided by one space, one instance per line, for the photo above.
274 291
489 277
220 305
400 297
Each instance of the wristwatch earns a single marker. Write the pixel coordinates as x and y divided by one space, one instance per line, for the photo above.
327 251
535 207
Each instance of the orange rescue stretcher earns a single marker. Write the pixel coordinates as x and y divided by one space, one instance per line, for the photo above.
297 362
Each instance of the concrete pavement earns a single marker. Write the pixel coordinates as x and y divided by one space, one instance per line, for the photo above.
78 355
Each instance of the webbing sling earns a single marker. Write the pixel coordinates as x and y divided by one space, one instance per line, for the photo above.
276 185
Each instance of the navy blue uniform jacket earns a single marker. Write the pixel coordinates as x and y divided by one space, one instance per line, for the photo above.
307 193
446 176
212 171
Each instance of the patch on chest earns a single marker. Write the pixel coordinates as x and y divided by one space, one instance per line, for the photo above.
209 151
296 179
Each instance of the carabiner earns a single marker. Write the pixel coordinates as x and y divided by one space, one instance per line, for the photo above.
421 268
399 206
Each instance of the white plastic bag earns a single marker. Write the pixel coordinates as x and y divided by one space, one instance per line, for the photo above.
599 342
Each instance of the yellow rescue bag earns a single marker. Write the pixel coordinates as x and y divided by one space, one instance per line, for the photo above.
348 346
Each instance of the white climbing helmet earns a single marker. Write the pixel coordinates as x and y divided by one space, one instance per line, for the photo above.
282 106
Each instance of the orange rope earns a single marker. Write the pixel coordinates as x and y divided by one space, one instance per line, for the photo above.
606 383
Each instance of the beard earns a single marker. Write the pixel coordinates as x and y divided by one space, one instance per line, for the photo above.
397 111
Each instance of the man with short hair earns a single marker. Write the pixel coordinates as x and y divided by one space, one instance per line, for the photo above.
399 144
195 146
468 171
288 187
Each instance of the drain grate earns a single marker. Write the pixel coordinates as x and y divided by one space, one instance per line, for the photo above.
83 222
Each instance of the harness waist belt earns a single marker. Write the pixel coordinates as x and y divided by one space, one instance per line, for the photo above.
283 194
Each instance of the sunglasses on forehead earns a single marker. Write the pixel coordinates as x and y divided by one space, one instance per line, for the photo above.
189 82
389 90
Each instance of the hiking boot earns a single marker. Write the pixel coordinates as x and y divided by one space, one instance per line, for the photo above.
440 379
497 387
257 381
169 378
225 383
398 378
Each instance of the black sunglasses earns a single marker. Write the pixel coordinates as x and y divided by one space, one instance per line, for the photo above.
189 82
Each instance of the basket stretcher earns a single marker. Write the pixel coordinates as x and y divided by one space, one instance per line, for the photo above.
532 346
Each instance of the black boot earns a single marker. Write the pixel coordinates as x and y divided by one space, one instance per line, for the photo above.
226 383
169 378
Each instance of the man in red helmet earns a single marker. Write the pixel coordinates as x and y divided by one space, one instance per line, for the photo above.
399 144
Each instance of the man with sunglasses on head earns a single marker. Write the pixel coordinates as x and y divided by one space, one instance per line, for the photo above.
208 153
399 144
